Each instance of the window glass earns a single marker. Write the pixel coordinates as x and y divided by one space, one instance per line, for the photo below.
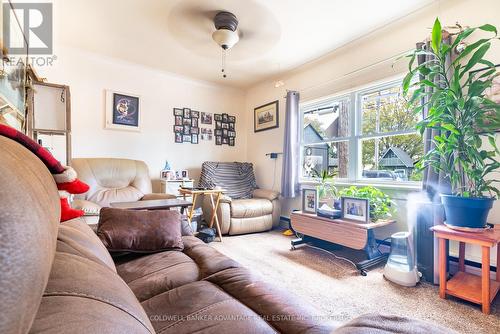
386 140
386 110
331 156
326 121
391 158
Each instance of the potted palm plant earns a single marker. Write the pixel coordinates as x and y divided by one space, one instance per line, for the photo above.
458 106
327 192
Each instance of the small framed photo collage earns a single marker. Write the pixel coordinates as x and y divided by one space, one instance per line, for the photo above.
225 130
186 126
190 127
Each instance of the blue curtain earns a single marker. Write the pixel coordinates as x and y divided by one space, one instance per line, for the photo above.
291 147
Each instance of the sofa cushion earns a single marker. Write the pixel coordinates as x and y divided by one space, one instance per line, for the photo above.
153 274
202 307
76 237
251 225
248 208
140 231
113 180
281 309
83 296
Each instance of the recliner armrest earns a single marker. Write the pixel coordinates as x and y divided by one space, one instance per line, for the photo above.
224 199
88 207
154 196
267 194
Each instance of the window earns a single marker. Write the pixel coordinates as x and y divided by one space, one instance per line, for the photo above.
367 135
326 130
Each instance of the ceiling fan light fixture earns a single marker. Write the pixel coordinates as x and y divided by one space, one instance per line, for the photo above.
225 38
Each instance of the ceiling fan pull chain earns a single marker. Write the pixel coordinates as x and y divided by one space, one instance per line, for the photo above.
224 63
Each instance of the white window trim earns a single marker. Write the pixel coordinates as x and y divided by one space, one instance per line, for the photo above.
354 168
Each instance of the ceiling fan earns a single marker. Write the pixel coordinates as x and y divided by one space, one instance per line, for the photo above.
226 34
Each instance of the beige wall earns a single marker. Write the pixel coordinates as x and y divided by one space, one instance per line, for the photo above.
363 61
89 75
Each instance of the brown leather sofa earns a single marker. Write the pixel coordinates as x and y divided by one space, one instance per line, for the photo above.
59 278
112 180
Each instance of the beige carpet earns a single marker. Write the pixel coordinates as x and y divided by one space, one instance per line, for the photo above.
336 288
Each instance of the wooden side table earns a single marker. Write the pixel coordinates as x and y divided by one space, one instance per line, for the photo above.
215 204
476 289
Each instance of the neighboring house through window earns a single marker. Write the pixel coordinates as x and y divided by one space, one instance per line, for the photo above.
367 135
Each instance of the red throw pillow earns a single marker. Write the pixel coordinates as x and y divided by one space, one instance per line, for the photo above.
140 231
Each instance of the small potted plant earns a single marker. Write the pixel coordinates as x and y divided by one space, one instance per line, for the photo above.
327 192
381 206
460 109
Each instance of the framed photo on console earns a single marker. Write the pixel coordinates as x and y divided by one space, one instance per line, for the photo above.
357 209
309 200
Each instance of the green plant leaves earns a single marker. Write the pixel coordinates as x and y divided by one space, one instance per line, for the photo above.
436 36
381 205
455 100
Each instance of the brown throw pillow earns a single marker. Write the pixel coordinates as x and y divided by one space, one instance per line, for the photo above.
140 231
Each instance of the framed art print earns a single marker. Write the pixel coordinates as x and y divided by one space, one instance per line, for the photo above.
309 200
266 117
122 111
357 209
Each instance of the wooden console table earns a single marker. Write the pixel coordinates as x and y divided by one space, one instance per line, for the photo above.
342 232
476 289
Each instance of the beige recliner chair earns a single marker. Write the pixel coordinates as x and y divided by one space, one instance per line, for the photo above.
244 208
112 180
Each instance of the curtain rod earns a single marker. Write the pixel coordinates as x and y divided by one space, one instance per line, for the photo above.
457 26
351 73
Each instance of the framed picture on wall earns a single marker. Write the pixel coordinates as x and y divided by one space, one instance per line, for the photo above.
206 118
122 111
266 117
178 137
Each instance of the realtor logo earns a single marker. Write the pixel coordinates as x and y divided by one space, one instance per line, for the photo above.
27 28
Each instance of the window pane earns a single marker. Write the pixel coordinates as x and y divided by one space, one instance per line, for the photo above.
386 111
327 120
332 157
392 158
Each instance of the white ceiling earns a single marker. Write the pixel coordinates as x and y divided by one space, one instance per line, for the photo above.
175 35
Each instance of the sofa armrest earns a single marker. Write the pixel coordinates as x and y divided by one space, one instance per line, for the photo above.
267 194
88 207
154 196
224 199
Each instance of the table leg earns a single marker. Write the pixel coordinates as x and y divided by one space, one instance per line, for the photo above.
461 256
442 267
191 212
498 262
485 277
214 217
